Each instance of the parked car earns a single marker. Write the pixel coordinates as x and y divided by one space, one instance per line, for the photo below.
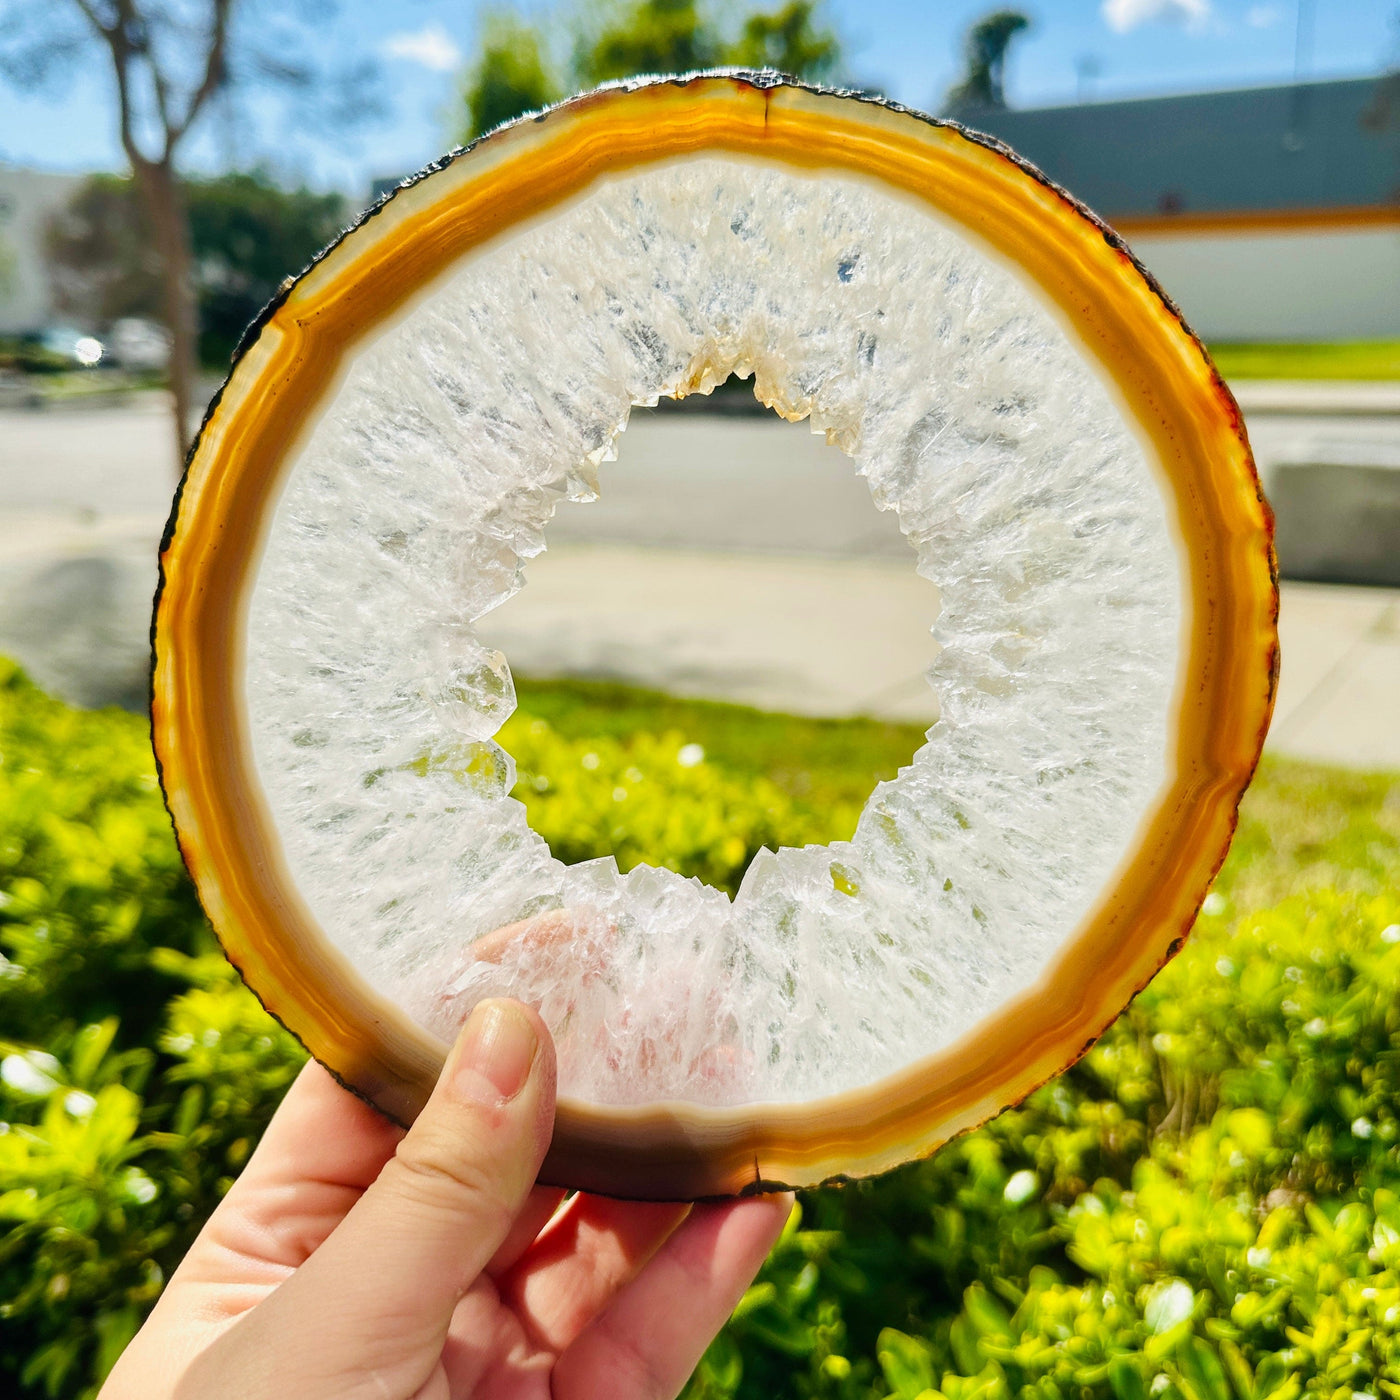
139 344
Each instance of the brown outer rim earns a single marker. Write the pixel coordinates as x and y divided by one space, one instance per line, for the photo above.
676 1151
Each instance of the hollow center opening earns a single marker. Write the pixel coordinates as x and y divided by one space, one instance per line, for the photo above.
725 651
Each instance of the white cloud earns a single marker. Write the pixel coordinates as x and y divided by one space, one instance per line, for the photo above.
1123 15
1262 16
431 47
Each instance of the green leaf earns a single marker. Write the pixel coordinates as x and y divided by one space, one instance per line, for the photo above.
90 1046
907 1363
986 1313
50 1364
760 1295
721 1368
967 1347
1168 1305
1125 1377
1199 1362
189 1112
1238 1368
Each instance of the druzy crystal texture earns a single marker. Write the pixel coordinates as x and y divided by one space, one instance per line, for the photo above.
414 505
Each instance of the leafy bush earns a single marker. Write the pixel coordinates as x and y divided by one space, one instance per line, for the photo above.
246 233
135 1071
653 798
1204 1208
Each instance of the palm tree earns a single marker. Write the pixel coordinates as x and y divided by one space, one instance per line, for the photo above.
987 43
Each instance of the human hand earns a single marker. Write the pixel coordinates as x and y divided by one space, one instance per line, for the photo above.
353 1260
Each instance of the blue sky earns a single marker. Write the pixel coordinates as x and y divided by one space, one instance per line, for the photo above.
908 48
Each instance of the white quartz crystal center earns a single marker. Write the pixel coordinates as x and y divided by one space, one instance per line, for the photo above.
429 479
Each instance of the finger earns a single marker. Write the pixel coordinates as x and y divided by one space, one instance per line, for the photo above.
572 1271
546 930
446 1201
377 1297
321 1132
647 1342
538 1210
581 935
319 1152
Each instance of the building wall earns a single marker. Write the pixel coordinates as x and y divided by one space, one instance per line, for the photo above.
1325 145
28 199
1319 284
1267 213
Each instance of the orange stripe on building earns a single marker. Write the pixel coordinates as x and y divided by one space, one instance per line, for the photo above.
1248 221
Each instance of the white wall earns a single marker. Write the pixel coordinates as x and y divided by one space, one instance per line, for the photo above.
28 199
1341 284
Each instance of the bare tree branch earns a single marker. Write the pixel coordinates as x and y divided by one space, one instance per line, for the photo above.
115 38
215 69
168 62
145 47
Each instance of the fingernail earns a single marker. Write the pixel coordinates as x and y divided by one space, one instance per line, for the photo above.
494 1053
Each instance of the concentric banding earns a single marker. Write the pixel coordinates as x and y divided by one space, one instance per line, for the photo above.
428 481
1059 456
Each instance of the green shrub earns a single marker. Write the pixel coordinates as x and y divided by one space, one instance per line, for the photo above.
1205 1208
654 798
135 1071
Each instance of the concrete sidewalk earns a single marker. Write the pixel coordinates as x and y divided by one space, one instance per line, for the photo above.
1339 686
801 635
808 635
840 637
1352 398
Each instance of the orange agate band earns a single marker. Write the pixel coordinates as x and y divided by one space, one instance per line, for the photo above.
1166 381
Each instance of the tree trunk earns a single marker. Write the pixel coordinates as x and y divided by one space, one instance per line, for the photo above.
165 207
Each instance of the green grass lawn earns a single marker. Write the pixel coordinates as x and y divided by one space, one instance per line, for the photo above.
835 760
1359 359
1302 826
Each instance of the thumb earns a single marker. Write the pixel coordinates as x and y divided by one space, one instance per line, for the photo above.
388 1277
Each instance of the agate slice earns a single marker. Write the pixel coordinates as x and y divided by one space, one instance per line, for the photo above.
384 462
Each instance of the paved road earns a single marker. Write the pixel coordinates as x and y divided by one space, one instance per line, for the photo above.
117 462
739 558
